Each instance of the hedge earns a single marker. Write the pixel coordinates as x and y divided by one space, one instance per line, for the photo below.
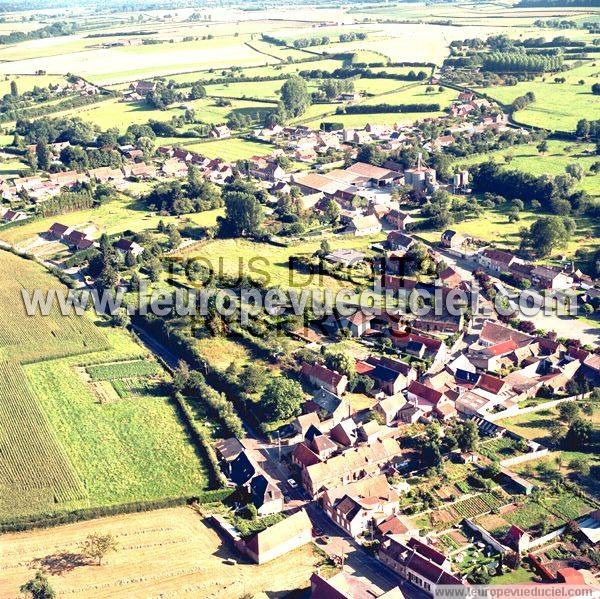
379 108
58 518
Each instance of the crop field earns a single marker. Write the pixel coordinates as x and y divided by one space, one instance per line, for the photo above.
160 553
35 471
122 370
29 338
558 106
553 162
113 65
59 447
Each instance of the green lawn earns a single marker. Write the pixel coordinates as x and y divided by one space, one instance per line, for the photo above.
558 106
231 149
553 162
493 227
121 214
225 255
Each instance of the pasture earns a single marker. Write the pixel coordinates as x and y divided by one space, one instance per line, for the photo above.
121 214
231 149
557 106
553 162
234 256
160 553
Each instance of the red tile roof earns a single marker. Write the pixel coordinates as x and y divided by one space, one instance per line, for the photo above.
321 373
424 392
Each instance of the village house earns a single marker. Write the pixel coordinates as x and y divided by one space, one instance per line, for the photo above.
281 538
349 466
497 260
399 219
266 496
346 586
389 409
328 405
389 375
356 506
346 257
321 376
12 216
302 423
545 277
173 167
143 88
364 225
220 132
399 241
227 451
451 239
345 433
450 278
126 246
418 563
270 171
421 346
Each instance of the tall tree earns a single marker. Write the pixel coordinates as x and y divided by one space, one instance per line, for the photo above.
294 95
281 398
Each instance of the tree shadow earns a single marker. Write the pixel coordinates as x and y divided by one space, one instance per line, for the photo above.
60 563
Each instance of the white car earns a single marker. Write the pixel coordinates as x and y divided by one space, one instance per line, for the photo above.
293 484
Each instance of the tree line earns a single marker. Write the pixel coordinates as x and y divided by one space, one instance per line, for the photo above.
379 108
507 62
55 30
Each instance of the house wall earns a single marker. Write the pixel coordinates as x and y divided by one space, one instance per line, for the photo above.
298 540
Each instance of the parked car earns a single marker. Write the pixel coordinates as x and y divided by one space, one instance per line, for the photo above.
293 484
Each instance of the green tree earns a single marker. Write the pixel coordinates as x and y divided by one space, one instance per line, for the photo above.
43 154
198 91
340 360
568 411
467 435
548 233
294 96
38 587
579 435
243 212
14 90
96 546
331 211
281 398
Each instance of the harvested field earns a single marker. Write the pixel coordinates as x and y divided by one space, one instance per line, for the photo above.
164 553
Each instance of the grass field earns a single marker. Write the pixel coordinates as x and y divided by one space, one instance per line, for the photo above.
160 553
558 106
553 162
231 149
493 227
129 450
536 425
121 214
226 254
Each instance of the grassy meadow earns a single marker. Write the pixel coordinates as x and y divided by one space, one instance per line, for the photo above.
557 106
